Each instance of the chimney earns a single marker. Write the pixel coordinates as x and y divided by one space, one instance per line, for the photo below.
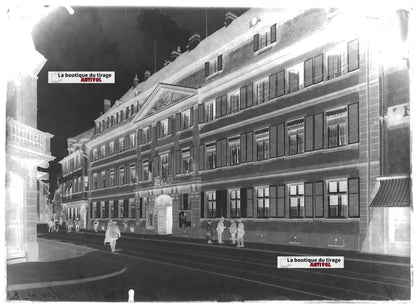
175 54
107 105
135 81
193 41
229 17
146 75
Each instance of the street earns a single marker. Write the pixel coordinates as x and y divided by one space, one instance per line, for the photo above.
169 269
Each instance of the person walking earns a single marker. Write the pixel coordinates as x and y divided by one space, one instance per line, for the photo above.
233 231
70 225
112 234
209 231
240 234
77 225
220 230
96 223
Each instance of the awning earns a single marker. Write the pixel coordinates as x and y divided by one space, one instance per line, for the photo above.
393 192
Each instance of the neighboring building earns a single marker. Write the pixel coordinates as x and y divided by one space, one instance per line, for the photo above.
44 206
27 148
274 119
75 184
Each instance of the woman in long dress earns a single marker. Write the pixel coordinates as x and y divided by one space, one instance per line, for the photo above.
240 234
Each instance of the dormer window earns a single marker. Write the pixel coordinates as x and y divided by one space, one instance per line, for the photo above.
264 39
214 66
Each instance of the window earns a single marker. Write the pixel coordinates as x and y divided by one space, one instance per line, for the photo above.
133 173
112 177
164 161
132 140
234 99
108 122
263 201
132 204
186 119
295 130
103 180
211 204
338 198
121 175
210 111
95 180
235 203
262 144
264 39
211 151
295 77
120 144
145 168
164 128
117 118
234 146
86 183
111 147
146 134
353 55
296 200
127 113
337 127
111 208
103 210
95 154
102 149
186 160
213 66
262 90
336 61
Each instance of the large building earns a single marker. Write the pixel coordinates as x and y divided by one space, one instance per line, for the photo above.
287 119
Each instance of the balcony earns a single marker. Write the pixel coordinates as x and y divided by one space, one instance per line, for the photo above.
27 138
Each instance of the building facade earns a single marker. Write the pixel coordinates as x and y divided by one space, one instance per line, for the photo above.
75 184
273 119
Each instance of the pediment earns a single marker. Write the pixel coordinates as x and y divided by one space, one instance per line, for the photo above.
164 96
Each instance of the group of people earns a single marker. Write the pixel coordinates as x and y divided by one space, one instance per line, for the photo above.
55 224
237 232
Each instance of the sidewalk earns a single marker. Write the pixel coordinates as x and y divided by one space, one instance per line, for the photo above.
61 264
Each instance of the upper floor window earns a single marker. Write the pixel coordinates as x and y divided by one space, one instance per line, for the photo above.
133 173
132 137
211 151
213 66
235 203
262 90
186 119
296 200
295 77
164 162
145 169
337 127
111 121
127 113
186 160
117 118
102 151
234 146
103 179
211 204
262 144
95 180
209 111
264 38
295 130
164 128
121 144
95 154
263 201
338 198
111 147
112 182
146 134
122 178
234 100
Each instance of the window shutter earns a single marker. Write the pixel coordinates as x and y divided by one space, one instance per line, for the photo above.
280 140
218 107
170 125
353 55
318 68
201 113
178 122
202 205
224 152
192 158
353 123
255 42
318 131
255 157
273 141
354 197
223 105
219 62
206 69
273 33
281 83
308 76
140 137
178 164
155 170
191 116
243 202
308 200
273 200
201 157
126 142
219 155
218 204
309 133
243 98
157 133
319 199
139 170
170 160
243 148
272 86
250 202
250 95
249 146
281 201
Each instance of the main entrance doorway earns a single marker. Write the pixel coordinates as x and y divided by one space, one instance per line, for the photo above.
164 214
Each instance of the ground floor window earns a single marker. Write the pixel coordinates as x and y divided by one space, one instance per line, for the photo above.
296 201
212 204
235 203
338 198
263 201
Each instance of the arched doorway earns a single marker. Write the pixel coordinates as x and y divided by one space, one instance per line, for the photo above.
164 214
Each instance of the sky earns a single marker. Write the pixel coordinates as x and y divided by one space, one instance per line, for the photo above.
120 39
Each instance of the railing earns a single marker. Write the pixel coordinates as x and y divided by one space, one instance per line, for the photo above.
159 181
27 137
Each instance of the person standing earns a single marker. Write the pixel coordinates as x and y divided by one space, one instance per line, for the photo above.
233 231
96 223
77 225
112 234
240 234
209 231
220 230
